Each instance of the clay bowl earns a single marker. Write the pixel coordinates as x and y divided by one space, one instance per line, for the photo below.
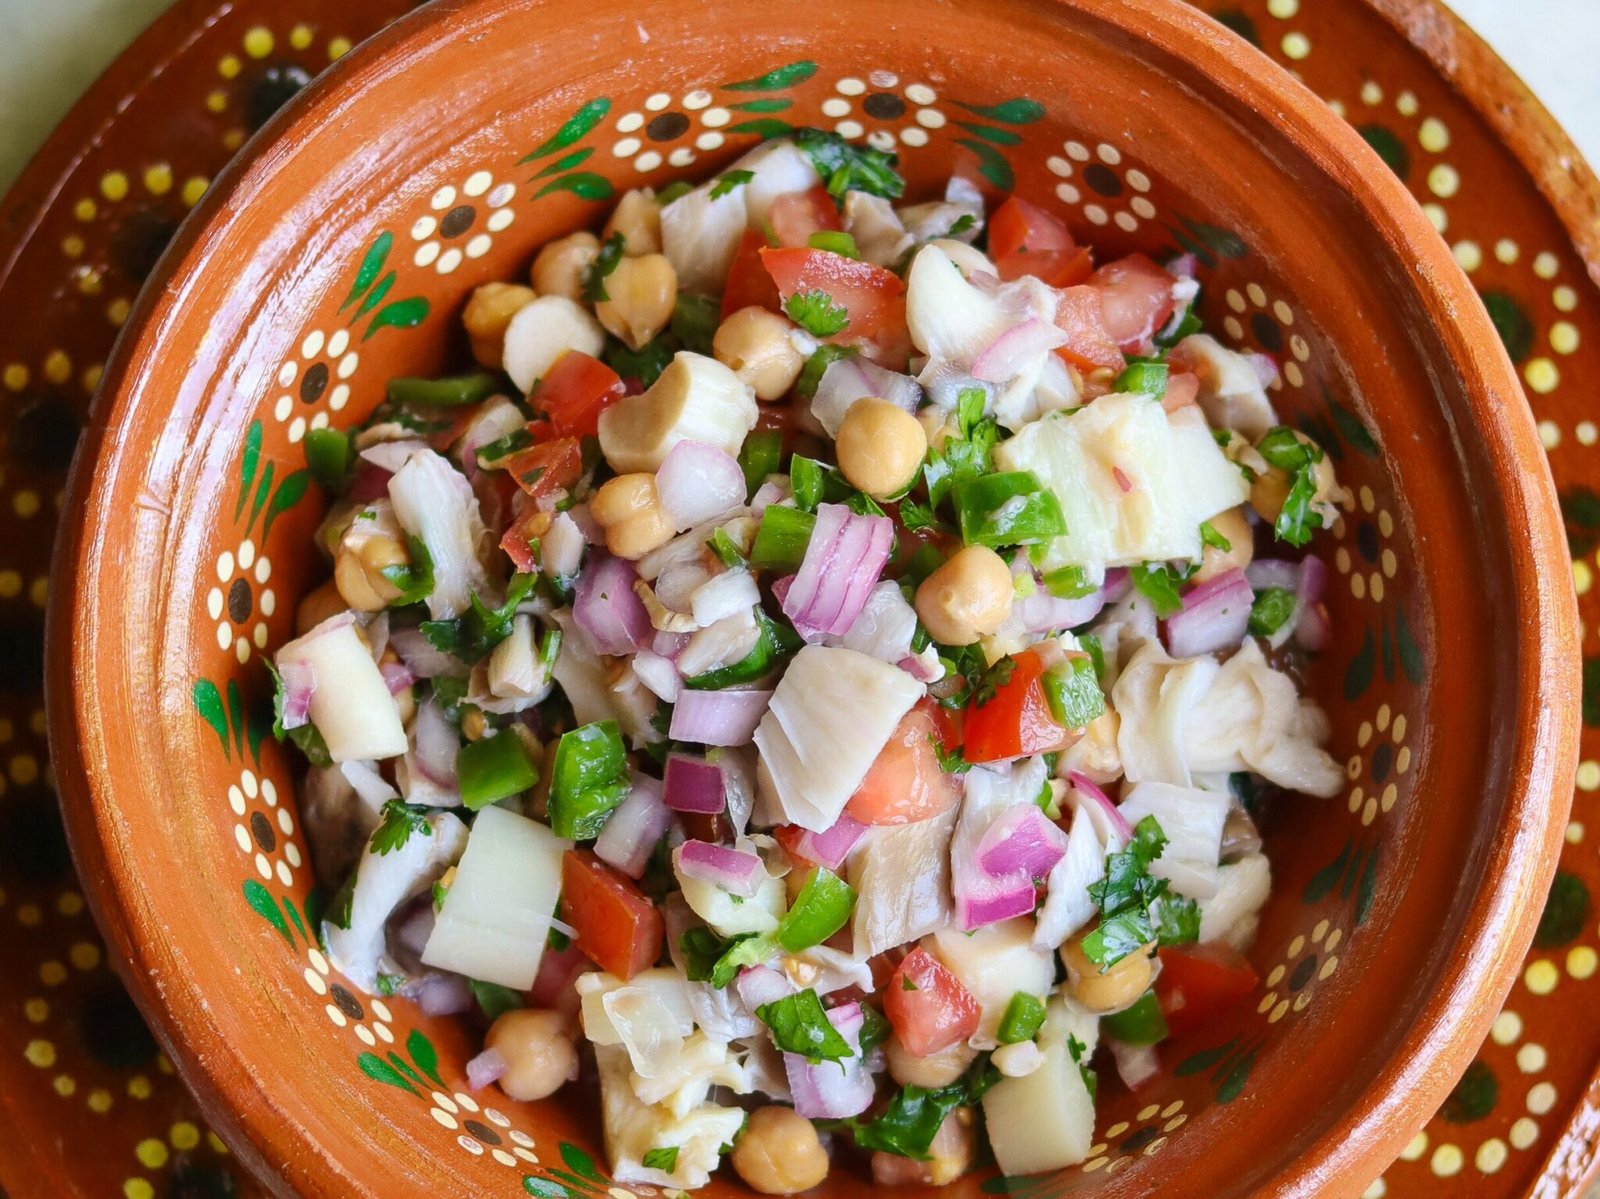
338 253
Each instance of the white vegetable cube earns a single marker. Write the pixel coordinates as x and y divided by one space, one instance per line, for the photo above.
777 168
901 874
727 914
830 717
1043 1120
950 319
604 998
1242 889
695 399
700 236
497 912
633 1128
351 706
544 330
993 963
1134 485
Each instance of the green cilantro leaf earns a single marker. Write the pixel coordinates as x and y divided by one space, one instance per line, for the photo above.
664 1157
708 958
963 223
994 678
846 167
472 635
728 181
1158 583
907 1126
1269 611
799 1025
414 578
644 364
1210 536
917 517
399 820
306 737
594 276
1134 904
1298 520
816 313
493 999
1180 920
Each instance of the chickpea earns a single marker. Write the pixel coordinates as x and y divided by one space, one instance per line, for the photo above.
931 1072
474 724
537 1047
755 345
779 1152
358 573
1268 493
642 294
949 1156
559 267
1235 530
406 699
967 598
629 509
318 606
1117 987
879 447
937 427
637 217
488 313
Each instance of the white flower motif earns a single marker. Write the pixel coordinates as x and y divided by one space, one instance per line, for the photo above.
882 111
317 378
461 224
241 602
1108 195
661 132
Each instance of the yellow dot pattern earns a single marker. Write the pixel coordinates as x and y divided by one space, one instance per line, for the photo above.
152 1153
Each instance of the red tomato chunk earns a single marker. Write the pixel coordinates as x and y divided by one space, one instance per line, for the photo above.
927 1006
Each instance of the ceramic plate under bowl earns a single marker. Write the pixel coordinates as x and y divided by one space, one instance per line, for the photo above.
339 255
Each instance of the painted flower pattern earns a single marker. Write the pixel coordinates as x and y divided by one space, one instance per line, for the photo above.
241 601
461 222
315 382
881 110
1102 185
670 130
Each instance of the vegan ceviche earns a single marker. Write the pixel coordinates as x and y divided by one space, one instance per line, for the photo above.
816 677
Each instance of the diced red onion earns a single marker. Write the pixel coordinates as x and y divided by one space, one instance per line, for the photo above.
855 378
1314 631
766 495
761 985
923 667
694 785
488 1068
397 675
1111 825
425 661
1265 573
1136 1064
1184 266
1022 840
593 534
1265 368
1118 582
994 903
831 846
558 970
1042 612
1215 616
1313 581
377 634
669 645
364 778
299 685
392 455
733 870
698 482
725 717
370 483
436 744
637 824
833 1090
842 562
659 675
439 994
606 609
1015 348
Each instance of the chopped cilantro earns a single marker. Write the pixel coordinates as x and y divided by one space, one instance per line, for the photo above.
493 999
1271 608
1158 582
470 637
963 224
728 181
594 276
816 313
907 1126
496 452
390 984
414 577
993 679
916 516
708 958
1210 536
799 1025
644 364
1135 907
846 167
834 242
1298 457
665 1157
694 322
399 820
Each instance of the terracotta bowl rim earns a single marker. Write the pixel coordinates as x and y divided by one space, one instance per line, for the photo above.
1499 924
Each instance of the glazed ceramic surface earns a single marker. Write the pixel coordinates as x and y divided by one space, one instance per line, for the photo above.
341 256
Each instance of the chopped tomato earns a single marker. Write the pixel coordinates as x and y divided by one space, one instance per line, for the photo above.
1016 722
795 216
1198 983
927 1006
553 985
547 467
617 926
575 391
749 285
904 783
1135 299
1024 239
1081 316
790 836
873 298
1182 390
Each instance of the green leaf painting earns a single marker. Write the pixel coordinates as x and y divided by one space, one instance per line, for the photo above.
375 1067
1020 111
566 162
248 461
1358 675
762 127
586 185
1511 322
1389 147
208 702
778 79
371 267
574 129
267 908
402 314
991 163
